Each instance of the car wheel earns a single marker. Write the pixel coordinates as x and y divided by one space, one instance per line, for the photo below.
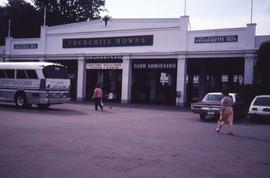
202 117
20 100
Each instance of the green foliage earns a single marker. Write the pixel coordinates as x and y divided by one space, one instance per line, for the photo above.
4 25
68 11
26 18
262 71
248 92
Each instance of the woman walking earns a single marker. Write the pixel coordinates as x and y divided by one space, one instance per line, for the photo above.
226 113
97 96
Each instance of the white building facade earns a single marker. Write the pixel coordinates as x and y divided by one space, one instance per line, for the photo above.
143 60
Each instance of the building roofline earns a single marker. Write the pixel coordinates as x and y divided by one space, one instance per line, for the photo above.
116 19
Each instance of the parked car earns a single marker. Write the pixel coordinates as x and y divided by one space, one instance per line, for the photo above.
210 106
259 108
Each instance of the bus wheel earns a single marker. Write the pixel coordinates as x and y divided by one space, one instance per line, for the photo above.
43 106
20 100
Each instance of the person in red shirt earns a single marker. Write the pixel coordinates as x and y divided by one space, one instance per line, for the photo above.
97 96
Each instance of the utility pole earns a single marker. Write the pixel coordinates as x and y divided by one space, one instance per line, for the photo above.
185 9
44 16
251 11
9 27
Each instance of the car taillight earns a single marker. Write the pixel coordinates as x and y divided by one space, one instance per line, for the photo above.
254 109
42 83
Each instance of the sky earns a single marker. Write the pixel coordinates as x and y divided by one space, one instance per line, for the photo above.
203 14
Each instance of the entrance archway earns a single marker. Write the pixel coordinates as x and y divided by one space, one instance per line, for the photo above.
213 75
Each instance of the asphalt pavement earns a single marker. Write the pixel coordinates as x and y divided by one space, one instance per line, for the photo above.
73 140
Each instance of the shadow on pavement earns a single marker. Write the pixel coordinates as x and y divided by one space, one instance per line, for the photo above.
139 106
35 110
246 137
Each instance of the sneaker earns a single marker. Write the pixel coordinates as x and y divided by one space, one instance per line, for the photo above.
231 133
217 130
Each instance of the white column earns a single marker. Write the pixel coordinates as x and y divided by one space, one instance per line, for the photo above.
81 79
251 36
183 32
8 48
181 81
126 80
249 69
43 44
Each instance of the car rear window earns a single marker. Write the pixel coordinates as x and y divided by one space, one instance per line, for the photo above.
262 101
214 97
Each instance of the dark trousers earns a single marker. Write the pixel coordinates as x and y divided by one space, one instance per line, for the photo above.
98 103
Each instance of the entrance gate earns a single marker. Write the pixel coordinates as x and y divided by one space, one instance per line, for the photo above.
213 75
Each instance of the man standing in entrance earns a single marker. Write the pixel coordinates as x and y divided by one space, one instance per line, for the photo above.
97 96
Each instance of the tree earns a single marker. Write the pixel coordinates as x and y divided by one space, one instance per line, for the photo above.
25 21
26 18
263 63
69 11
4 24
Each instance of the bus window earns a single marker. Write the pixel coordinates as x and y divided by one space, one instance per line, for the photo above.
33 88
21 74
55 72
31 74
10 73
2 74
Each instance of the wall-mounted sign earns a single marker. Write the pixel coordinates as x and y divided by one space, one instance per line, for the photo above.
26 46
164 78
103 65
216 39
104 57
121 41
154 66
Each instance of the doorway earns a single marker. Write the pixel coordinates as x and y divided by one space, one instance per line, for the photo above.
110 80
154 81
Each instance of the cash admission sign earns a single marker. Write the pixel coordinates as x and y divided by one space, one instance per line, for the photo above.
216 39
121 41
171 66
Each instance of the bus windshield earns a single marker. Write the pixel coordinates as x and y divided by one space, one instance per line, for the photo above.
56 72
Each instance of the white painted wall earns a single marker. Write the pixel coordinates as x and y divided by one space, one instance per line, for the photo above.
25 51
240 45
170 36
166 40
96 26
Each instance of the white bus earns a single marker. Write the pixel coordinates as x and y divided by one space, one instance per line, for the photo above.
40 83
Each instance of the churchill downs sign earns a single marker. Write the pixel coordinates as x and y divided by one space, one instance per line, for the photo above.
216 39
145 40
